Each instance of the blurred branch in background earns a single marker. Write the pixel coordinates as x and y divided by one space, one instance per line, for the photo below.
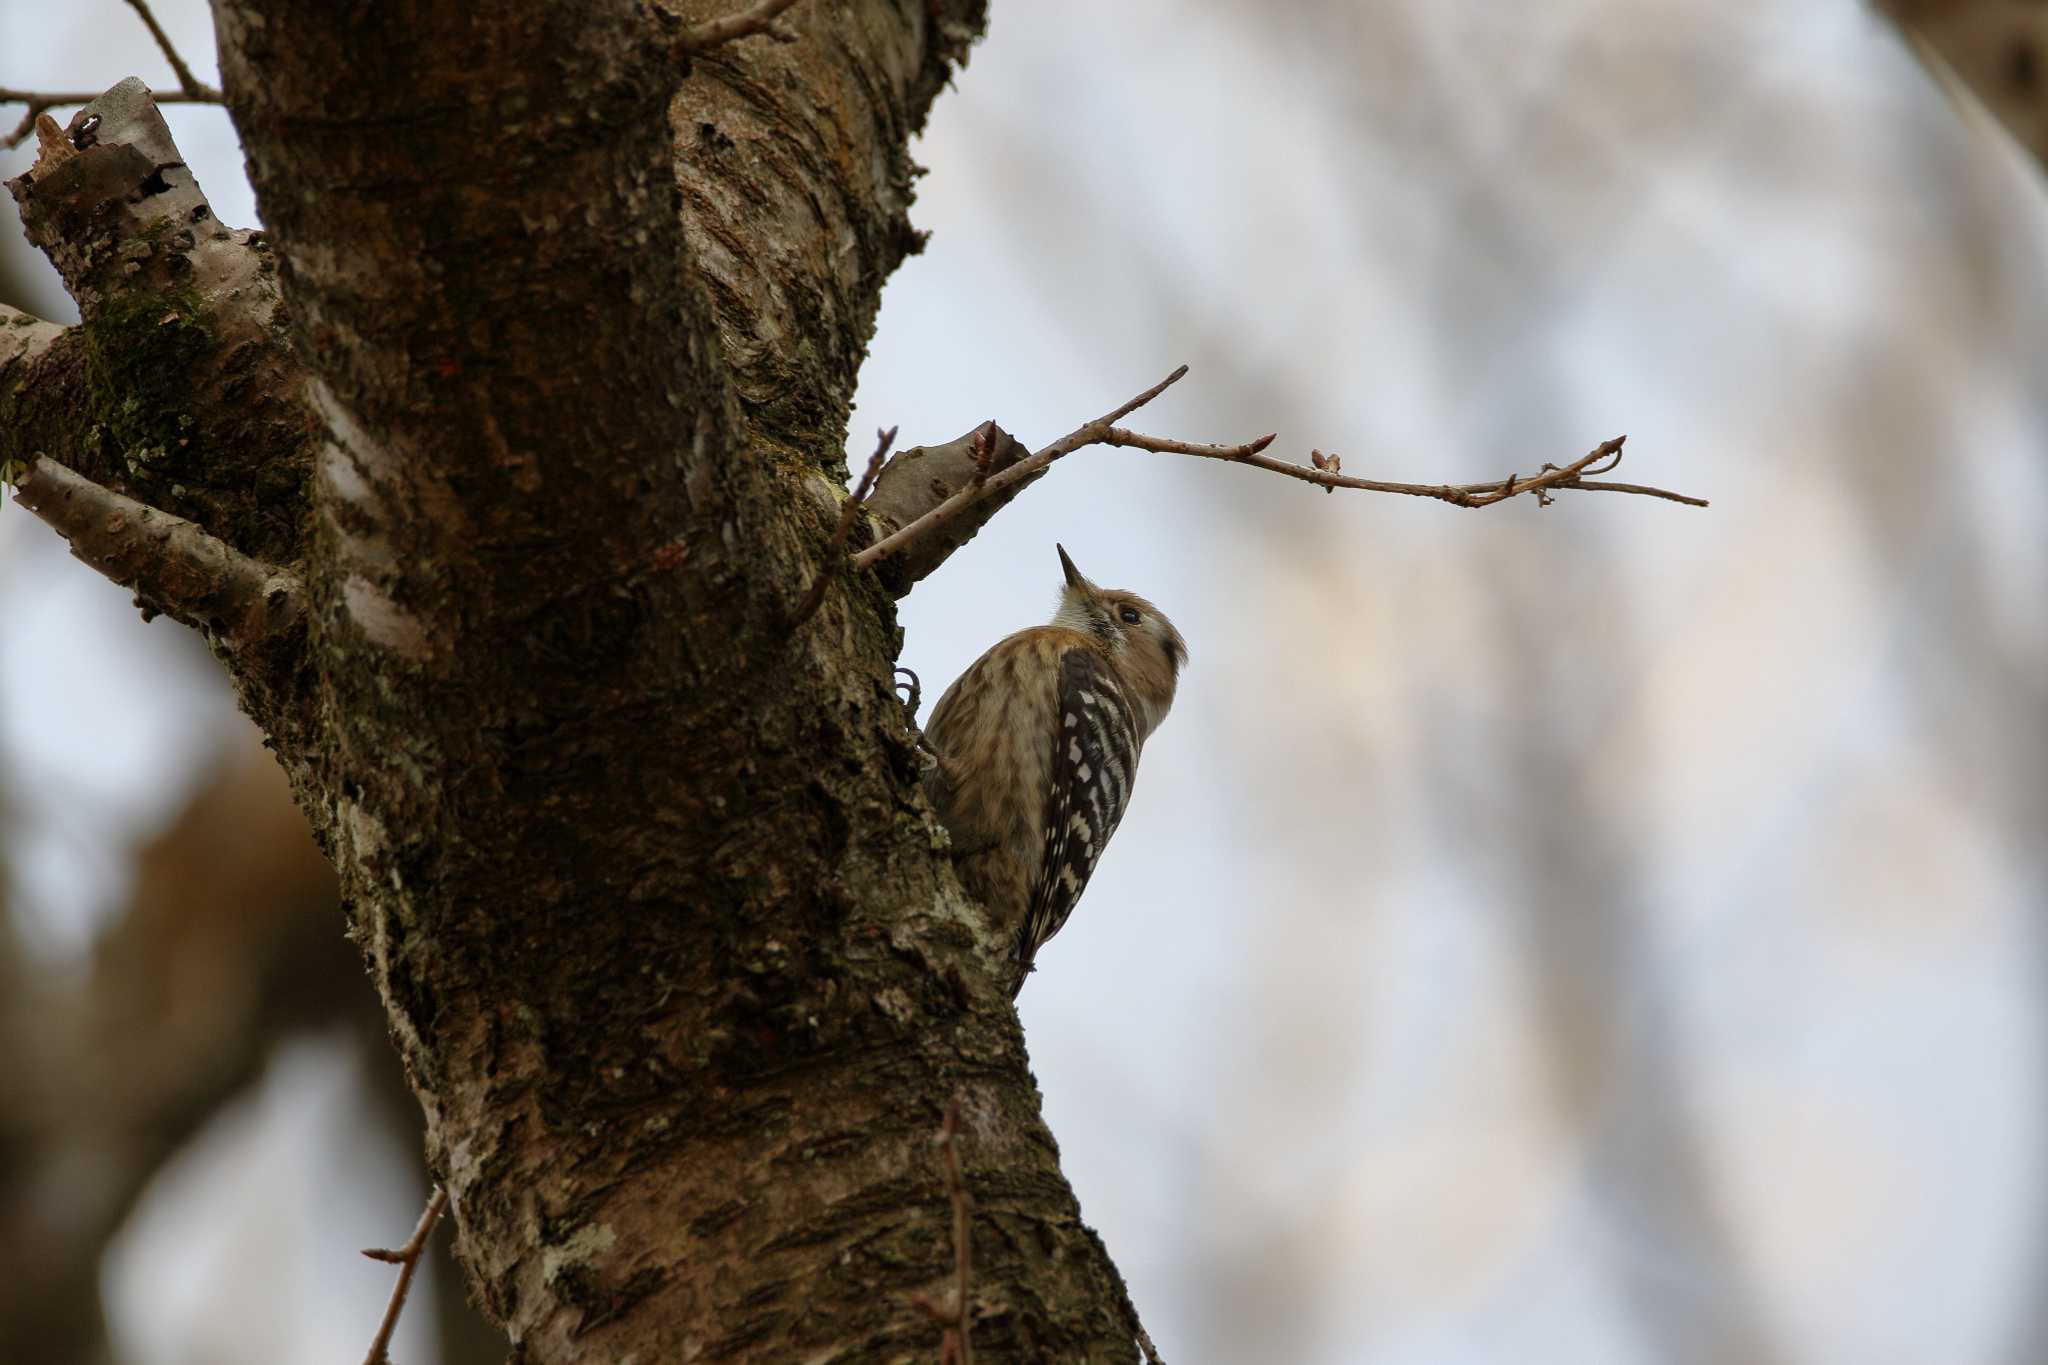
1995 49
191 90
1571 891
231 941
1568 890
1970 660
1568 886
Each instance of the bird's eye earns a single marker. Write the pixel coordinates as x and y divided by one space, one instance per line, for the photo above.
1130 614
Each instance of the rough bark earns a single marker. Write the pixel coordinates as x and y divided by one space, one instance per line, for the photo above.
179 387
666 937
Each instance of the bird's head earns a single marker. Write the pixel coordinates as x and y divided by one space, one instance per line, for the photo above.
1144 646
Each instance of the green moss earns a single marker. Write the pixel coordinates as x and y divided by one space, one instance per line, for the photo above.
140 351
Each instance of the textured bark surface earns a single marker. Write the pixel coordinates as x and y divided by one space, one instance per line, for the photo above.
666 936
796 175
179 387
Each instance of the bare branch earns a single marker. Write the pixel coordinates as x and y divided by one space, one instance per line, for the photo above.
847 512
173 565
759 18
1639 489
407 1259
193 87
1323 471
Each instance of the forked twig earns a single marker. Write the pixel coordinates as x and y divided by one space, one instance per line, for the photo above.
407 1259
191 90
848 511
193 87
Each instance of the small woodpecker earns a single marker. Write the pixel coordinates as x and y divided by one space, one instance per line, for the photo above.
1038 745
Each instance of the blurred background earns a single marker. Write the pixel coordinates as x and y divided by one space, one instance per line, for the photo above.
1604 933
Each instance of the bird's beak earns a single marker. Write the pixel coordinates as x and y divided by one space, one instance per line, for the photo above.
1074 577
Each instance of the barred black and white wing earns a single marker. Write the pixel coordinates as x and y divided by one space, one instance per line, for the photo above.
1095 760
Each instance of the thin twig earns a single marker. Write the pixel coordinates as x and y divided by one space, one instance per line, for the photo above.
191 90
407 1259
1322 472
958 1343
1549 480
189 83
40 100
1090 432
1640 489
756 18
848 510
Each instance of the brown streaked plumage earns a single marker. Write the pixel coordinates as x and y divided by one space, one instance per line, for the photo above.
1038 744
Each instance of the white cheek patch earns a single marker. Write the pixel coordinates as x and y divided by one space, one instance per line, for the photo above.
1073 615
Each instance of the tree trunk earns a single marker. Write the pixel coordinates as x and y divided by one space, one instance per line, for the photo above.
518 434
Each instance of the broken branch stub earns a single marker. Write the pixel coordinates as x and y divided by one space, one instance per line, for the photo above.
183 368
922 477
